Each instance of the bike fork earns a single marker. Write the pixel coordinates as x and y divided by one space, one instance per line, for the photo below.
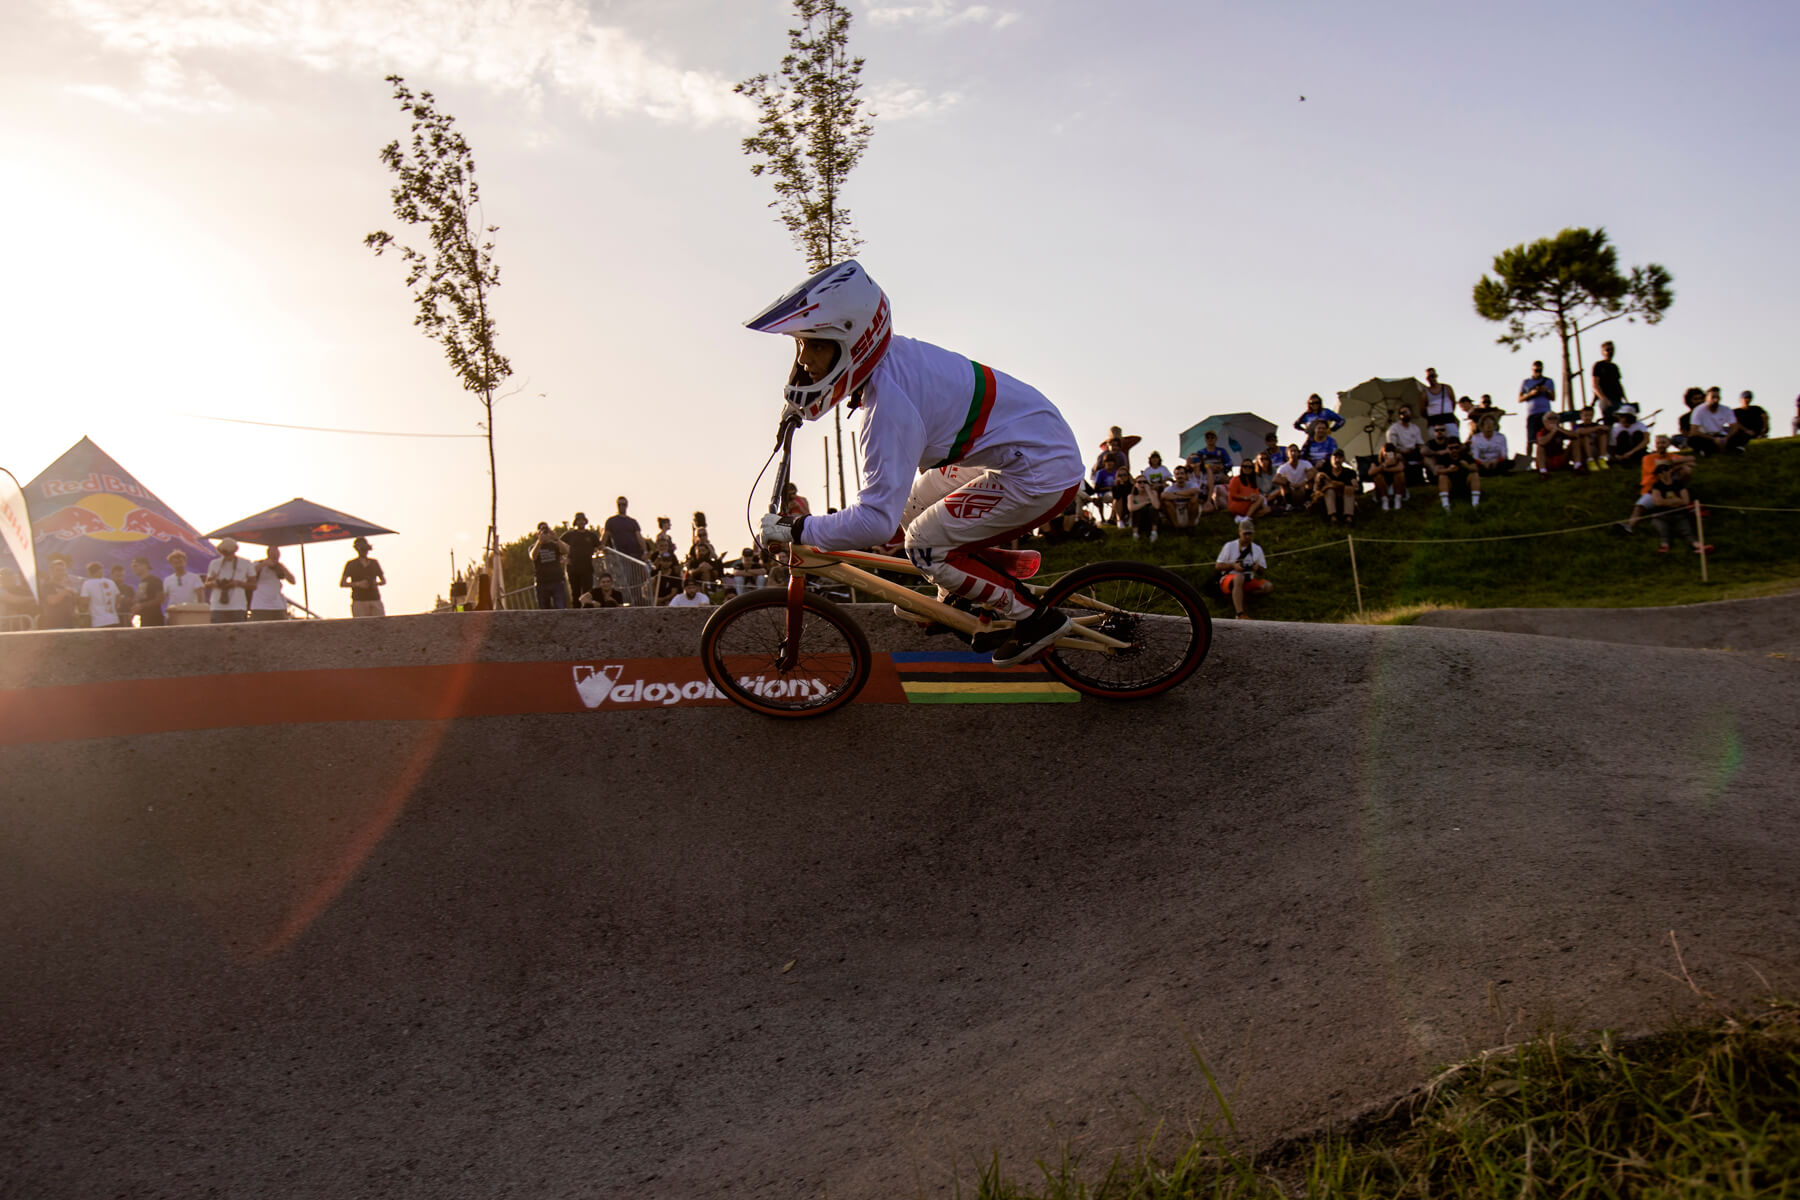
796 615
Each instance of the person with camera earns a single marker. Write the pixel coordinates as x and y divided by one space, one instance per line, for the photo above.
266 601
1241 565
548 554
228 581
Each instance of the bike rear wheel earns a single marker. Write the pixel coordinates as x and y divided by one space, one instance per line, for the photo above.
741 649
1158 614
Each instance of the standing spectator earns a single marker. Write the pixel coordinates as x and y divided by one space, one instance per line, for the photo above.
691 596
363 576
1319 444
548 553
1752 419
180 585
1337 484
1447 460
1244 497
1587 443
1141 506
1316 412
1609 388
603 594
1439 404
228 580
622 533
793 504
665 537
1672 509
1388 474
149 606
1538 395
1293 481
1471 422
1794 429
1120 443
1242 563
17 605
1212 461
1158 476
1629 439
127 593
266 601
100 597
1552 445
1711 427
1488 449
582 543
58 595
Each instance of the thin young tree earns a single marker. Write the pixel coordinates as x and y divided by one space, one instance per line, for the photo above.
452 279
1565 286
810 132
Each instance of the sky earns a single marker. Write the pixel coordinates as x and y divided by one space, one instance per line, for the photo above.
1127 205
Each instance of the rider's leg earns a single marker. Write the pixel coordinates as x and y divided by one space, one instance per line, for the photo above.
981 509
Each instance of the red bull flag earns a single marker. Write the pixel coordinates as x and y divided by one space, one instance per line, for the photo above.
15 531
88 508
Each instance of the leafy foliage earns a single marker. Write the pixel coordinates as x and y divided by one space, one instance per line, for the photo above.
811 131
451 281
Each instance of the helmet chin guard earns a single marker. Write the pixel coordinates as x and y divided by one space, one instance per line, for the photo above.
840 304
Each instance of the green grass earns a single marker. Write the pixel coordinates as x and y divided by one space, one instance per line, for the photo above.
1410 560
1703 1111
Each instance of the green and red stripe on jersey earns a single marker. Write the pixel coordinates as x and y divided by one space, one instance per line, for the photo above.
981 407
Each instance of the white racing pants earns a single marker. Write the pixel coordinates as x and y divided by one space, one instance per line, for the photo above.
954 513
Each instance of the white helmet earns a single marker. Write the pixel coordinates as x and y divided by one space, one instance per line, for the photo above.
840 304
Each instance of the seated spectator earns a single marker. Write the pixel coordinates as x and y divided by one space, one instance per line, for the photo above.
1241 564
1294 481
1447 460
748 570
1680 465
1106 474
1337 484
690 596
1712 428
1587 441
1157 475
1141 505
1408 440
1552 445
1672 509
1752 420
1319 444
1243 497
1629 439
703 561
1488 449
793 504
1471 424
1265 477
1273 448
1183 500
1073 523
1486 409
603 594
665 571
1212 461
1388 474
1316 412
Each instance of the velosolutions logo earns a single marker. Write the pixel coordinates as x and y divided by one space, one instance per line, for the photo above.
667 682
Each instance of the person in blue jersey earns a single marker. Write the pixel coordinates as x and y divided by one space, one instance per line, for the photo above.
1316 411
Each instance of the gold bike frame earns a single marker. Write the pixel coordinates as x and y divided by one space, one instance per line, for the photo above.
837 565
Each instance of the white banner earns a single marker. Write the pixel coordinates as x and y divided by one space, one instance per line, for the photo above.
15 527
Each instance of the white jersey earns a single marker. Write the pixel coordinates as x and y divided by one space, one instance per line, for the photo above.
1488 449
926 407
103 602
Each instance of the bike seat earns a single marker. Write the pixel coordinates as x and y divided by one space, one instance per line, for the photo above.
1020 564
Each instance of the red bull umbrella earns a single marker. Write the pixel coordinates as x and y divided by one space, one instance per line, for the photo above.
297 523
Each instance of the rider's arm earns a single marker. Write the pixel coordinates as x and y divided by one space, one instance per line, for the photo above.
892 443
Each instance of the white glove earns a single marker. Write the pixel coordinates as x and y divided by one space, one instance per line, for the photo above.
780 529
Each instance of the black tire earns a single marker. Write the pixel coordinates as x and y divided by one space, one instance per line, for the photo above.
1159 613
741 645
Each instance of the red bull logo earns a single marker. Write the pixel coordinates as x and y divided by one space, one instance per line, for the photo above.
67 524
110 518
153 524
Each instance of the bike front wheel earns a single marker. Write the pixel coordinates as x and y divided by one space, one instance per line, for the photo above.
741 648
1158 615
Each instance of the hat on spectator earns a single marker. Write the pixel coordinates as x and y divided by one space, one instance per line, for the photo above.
1746 394
228 545
1246 526
1625 410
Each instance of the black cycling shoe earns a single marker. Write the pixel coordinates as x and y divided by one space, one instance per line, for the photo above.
1032 637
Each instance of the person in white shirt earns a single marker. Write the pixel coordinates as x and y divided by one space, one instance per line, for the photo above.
266 601
1183 501
1488 449
182 586
690 596
956 456
1241 563
1293 481
100 596
1629 438
228 580
1712 427
1408 440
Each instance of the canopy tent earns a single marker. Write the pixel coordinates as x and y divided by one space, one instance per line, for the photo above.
1370 407
88 508
298 522
1239 432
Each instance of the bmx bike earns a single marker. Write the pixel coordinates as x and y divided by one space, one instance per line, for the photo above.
787 652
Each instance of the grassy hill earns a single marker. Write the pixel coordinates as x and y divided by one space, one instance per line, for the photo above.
1532 543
